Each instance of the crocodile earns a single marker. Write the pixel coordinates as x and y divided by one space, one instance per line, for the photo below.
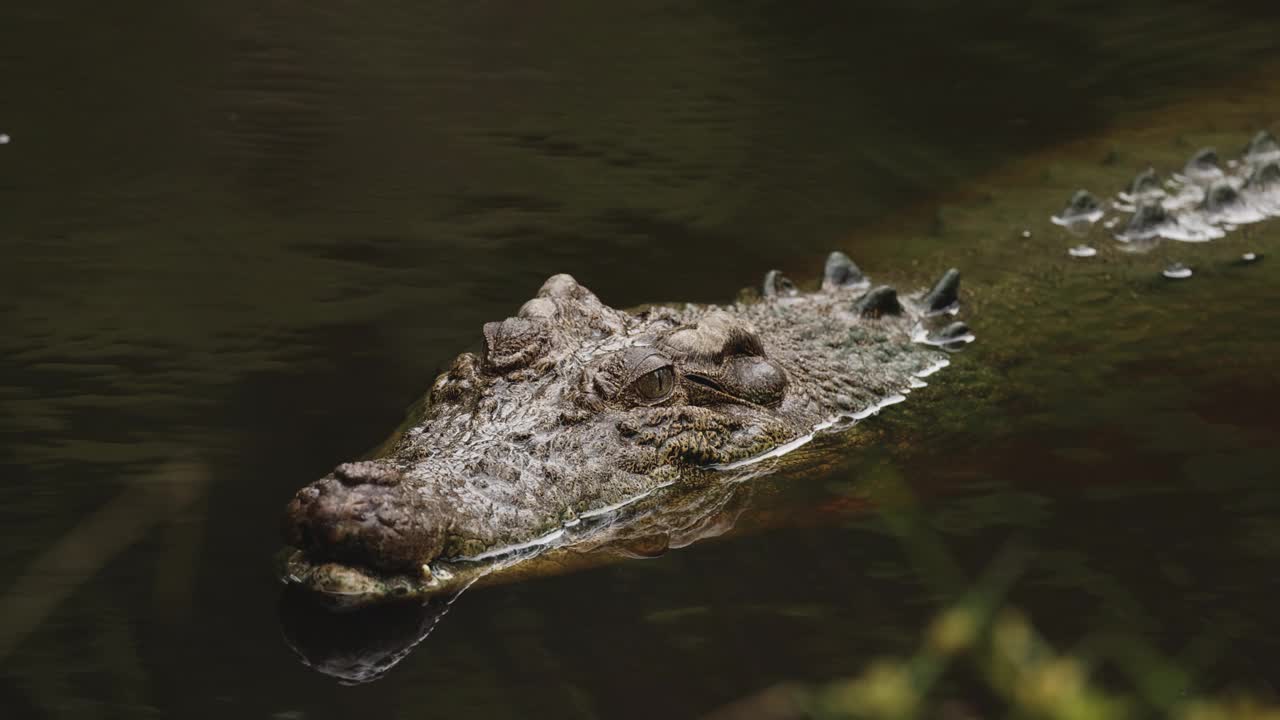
574 410
582 432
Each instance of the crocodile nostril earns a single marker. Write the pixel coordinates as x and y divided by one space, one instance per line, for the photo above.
364 515
366 472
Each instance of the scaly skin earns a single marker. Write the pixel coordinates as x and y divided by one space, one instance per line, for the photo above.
575 408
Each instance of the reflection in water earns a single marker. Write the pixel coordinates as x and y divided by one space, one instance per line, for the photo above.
357 646
361 644
157 498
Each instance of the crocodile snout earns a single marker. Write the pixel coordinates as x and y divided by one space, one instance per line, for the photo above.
363 514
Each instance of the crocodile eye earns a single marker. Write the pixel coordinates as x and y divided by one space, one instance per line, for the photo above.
656 385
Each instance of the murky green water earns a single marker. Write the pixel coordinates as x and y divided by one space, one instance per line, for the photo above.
238 241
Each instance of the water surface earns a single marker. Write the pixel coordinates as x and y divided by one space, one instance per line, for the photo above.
240 240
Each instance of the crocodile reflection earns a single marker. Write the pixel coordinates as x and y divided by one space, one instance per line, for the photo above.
360 645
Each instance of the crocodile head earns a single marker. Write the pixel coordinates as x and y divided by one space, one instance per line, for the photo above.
574 408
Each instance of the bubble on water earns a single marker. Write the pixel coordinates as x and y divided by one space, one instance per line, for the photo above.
1250 257
1082 251
1026 233
1177 271
4 139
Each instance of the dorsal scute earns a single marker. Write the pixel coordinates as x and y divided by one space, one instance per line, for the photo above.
714 336
549 327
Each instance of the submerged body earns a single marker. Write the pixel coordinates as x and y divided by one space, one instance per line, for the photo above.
575 409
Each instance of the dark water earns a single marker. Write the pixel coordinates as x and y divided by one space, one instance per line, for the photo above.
239 239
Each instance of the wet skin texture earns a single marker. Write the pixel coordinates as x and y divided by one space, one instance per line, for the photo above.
574 407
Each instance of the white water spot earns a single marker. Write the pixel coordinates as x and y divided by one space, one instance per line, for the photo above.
917 383
1078 222
1203 174
1026 233
1189 227
1188 194
4 139
933 368
1112 222
1249 257
1079 227
619 505
776 452
891 400
922 336
806 439
951 343
1071 222
517 547
1082 251
1127 200
1177 271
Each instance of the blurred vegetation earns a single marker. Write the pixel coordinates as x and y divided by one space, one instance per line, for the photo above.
981 656
1025 676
